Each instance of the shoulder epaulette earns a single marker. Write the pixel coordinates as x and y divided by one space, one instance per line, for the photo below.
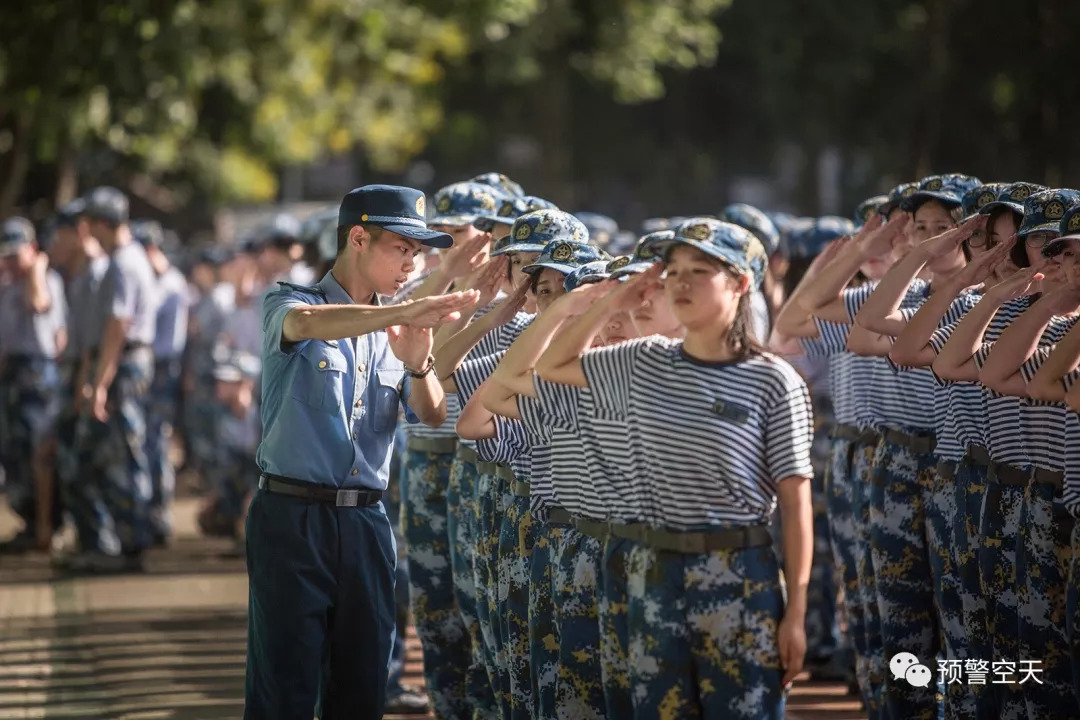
310 289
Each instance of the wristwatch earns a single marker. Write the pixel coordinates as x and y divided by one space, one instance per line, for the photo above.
429 367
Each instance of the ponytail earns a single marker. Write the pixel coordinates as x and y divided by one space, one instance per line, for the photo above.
740 336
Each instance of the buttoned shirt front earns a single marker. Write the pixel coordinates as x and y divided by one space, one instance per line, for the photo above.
329 408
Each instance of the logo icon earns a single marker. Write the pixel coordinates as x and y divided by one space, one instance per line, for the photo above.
905 666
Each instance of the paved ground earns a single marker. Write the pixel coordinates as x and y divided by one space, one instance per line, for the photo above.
168 644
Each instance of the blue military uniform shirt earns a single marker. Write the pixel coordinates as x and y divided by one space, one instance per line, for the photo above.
129 292
329 408
170 329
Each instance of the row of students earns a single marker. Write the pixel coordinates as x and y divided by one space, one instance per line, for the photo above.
632 443
949 524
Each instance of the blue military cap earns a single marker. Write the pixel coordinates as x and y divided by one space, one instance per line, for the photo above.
510 209
593 272
754 220
1044 211
108 204
398 209
977 198
651 225
283 229
18 232
868 208
465 202
565 255
148 233
1069 229
215 255
809 239
601 227
532 231
1013 196
645 254
499 182
897 196
731 244
68 215
947 189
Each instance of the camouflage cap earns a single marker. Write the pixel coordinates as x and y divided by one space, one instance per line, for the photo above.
733 245
754 220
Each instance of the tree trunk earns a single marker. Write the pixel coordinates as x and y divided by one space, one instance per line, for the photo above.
15 166
67 176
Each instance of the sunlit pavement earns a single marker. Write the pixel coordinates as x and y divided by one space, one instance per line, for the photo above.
168 643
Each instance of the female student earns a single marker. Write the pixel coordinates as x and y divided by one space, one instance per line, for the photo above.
710 634
960 359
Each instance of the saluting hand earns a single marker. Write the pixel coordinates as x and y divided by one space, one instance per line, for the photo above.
980 269
876 240
1018 285
462 259
941 245
505 311
431 311
487 279
634 292
410 344
577 301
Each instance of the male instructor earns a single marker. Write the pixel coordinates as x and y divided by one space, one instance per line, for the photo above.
337 366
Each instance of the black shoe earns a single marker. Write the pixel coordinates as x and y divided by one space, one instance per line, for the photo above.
96 562
833 669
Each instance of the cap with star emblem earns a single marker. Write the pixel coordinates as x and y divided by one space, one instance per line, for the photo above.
754 220
976 199
896 197
107 204
809 239
868 208
948 190
18 232
587 274
1044 211
466 202
731 244
510 209
400 210
1013 196
567 248
500 182
645 254
533 231
1069 229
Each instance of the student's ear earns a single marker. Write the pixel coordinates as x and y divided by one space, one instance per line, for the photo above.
359 237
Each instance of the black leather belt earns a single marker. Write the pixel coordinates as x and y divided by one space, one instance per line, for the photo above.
695 543
921 443
559 516
1054 478
520 489
978 455
341 497
468 454
438 445
1008 475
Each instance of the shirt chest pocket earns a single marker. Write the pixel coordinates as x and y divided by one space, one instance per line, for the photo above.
320 379
387 399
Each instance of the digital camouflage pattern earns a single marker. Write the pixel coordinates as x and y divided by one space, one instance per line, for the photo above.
580 689
613 605
543 634
862 464
517 536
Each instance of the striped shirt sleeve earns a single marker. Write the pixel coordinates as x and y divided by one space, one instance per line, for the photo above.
831 339
855 297
1070 379
472 374
609 372
534 420
789 433
1033 363
559 403
512 440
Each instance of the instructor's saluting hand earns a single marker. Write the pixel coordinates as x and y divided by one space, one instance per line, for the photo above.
432 311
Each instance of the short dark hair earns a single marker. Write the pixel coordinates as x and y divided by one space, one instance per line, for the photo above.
343 234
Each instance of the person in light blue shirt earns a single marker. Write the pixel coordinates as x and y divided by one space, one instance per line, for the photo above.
320 551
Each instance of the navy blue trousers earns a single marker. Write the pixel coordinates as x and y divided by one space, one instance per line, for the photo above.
321 619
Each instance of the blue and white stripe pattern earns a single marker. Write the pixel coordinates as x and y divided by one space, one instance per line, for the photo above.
959 407
845 372
1071 493
469 376
1002 417
1043 423
741 428
499 339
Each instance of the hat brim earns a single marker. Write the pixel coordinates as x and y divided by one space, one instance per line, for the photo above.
631 269
425 236
1041 227
519 248
11 248
453 220
557 266
731 259
913 201
1046 251
997 204
587 280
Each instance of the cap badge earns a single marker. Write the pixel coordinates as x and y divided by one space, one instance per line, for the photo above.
487 201
698 232
908 191
443 204
1055 210
933 184
1074 222
421 207
524 230
562 253
1020 193
985 199
623 261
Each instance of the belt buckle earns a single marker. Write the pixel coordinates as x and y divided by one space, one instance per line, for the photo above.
347 498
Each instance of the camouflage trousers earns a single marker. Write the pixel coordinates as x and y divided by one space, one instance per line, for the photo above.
942 516
201 414
969 487
439 625
113 456
543 628
874 665
1073 610
999 531
517 535
160 419
579 692
489 508
612 608
1041 579
703 634
30 406
234 477
461 525
901 493
844 535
